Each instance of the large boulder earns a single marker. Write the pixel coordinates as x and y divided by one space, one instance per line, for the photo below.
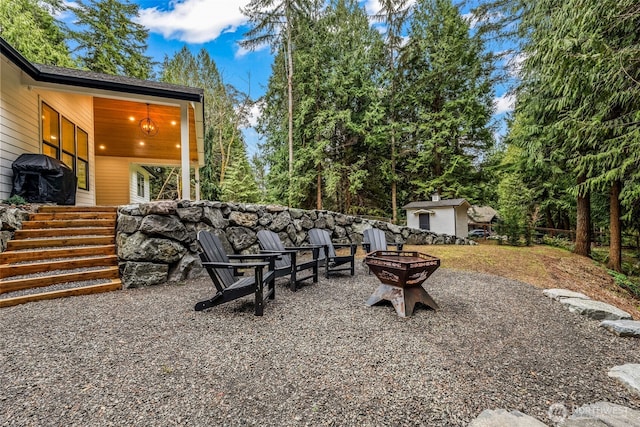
137 274
164 225
128 223
622 328
320 223
140 247
188 267
241 238
213 217
265 219
243 219
559 294
275 208
163 207
603 414
190 214
5 236
280 222
504 418
628 375
11 218
594 309
296 213
339 232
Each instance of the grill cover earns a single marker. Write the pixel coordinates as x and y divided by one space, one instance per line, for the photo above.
41 179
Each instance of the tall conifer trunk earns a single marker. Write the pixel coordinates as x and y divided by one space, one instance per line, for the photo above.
319 188
583 223
615 233
394 181
290 104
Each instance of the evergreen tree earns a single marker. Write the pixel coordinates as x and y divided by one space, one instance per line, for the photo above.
240 183
28 25
226 174
394 14
604 45
579 99
447 100
272 124
109 41
514 200
259 171
273 25
337 60
544 169
351 102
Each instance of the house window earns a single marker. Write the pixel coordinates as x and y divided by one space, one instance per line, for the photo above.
140 182
68 143
424 222
63 140
50 131
82 160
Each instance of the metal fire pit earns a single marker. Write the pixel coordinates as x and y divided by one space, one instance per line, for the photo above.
402 274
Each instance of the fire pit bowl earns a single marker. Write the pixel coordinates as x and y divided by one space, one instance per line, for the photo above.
402 274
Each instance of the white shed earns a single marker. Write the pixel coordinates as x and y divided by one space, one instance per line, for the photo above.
439 216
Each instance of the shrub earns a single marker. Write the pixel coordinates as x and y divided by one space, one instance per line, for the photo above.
16 200
626 283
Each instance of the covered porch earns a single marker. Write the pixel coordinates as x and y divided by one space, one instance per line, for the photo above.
121 144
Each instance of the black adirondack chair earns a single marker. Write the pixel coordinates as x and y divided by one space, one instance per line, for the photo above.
374 239
289 264
332 262
223 273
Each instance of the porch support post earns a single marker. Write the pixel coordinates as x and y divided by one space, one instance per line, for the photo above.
184 151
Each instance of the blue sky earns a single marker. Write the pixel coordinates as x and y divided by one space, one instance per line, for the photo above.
217 26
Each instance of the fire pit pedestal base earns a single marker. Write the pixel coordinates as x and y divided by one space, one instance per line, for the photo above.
403 299
402 274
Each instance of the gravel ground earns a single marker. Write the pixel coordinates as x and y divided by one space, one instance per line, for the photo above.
319 356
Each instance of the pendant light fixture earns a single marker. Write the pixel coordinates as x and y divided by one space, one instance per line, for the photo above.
148 126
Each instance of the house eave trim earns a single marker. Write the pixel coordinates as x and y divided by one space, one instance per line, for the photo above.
94 83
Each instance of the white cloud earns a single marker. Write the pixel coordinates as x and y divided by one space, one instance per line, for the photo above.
254 114
372 7
194 21
504 103
244 51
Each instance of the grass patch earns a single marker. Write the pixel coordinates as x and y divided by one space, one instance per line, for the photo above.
542 266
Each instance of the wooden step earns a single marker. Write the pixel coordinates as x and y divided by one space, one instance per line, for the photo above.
14 245
62 232
10 257
51 216
7 270
69 223
54 208
114 285
54 279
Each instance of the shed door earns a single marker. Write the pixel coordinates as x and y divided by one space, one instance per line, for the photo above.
424 222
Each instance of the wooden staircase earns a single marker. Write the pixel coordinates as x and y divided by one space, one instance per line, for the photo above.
60 251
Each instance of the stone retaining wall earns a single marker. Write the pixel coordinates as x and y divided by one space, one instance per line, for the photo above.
11 218
157 241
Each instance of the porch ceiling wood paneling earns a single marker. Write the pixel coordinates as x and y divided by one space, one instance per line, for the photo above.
121 136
